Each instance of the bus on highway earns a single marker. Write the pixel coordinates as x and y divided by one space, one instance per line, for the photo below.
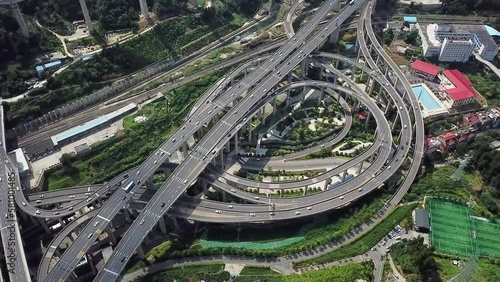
351 2
129 186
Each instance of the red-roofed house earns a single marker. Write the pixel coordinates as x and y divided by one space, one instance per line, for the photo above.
448 139
424 70
462 93
471 120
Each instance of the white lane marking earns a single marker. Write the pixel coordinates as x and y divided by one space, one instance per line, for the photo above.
112 272
102 217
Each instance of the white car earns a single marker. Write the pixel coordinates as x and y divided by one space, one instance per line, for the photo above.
309 208
217 211
233 190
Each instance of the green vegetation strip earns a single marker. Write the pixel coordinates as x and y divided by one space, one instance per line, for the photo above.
365 242
345 273
131 147
207 272
215 273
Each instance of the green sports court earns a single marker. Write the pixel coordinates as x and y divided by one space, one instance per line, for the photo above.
454 231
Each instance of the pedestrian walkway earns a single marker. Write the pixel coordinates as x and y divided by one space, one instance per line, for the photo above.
398 275
487 63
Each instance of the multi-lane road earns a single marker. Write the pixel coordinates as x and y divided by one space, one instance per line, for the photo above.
13 250
255 90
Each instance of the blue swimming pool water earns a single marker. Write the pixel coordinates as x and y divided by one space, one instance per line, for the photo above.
425 98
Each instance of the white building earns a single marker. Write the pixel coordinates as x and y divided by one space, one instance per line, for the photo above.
456 50
456 42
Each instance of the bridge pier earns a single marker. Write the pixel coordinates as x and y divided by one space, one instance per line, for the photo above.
304 66
20 20
249 129
360 167
236 143
140 252
86 15
128 215
44 225
61 222
144 10
275 109
344 174
327 182
111 235
396 120
163 226
387 107
368 118
221 158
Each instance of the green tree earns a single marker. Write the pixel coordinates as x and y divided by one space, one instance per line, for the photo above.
116 14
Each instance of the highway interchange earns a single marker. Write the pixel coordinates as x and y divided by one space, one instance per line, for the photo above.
256 89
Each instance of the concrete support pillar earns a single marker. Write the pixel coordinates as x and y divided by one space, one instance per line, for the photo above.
387 107
61 221
162 224
327 182
204 185
184 150
92 265
236 146
128 215
360 167
140 252
228 147
44 225
304 66
20 20
263 116
344 174
275 108
221 158
86 15
368 117
111 235
249 128
224 196
176 223
144 9
334 37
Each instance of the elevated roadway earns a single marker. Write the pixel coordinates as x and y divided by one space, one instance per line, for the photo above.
76 251
193 164
12 243
229 129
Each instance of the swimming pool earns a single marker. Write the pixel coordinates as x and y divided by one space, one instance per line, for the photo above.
425 98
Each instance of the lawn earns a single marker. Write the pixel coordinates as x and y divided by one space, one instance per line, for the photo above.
451 229
488 238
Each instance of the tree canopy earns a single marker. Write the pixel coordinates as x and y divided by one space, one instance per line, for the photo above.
115 14
463 7
416 261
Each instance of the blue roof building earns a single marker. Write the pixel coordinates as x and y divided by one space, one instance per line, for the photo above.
53 64
48 66
410 19
491 30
